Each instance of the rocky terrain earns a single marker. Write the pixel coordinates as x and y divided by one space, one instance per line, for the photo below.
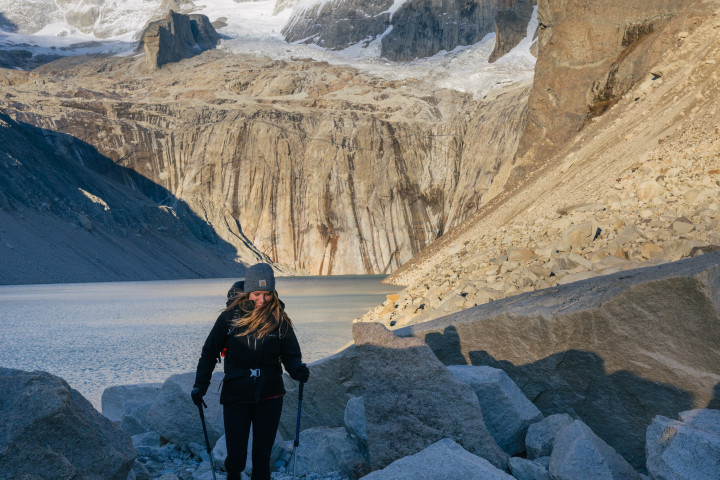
637 186
552 386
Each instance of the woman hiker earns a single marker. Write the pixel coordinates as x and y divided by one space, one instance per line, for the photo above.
257 336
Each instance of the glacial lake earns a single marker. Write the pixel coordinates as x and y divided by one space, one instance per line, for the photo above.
95 335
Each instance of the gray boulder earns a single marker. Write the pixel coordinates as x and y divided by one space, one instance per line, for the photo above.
443 459
128 405
355 418
176 418
175 37
579 453
523 469
688 449
326 450
50 431
333 381
412 400
614 351
541 435
506 410
114 398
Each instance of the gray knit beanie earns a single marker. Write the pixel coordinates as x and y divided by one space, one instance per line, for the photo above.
259 277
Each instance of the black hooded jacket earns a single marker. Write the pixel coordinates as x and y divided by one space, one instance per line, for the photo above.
244 355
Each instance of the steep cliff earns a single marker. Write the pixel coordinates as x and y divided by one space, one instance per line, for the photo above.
326 170
590 54
406 30
175 37
511 27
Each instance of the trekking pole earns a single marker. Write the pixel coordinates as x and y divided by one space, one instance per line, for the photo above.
207 440
297 431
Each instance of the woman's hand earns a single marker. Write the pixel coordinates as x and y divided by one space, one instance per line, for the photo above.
302 373
197 395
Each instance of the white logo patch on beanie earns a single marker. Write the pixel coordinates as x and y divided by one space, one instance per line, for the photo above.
262 283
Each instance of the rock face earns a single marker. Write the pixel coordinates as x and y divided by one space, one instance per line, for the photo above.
614 351
412 400
589 55
685 449
175 37
579 453
324 169
510 27
442 459
51 432
415 29
422 28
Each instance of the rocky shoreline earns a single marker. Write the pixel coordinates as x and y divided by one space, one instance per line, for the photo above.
437 400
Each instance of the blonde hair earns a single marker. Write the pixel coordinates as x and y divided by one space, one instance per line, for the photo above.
258 321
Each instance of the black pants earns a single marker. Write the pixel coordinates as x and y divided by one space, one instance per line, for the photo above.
265 419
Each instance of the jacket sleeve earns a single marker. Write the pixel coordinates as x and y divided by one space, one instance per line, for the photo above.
211 352
290 354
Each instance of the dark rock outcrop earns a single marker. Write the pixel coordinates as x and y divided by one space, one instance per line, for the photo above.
422 28
419 28
50 431
614 351
407 392
511 27
175 37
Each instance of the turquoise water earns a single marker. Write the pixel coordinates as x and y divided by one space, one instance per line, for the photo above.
96 335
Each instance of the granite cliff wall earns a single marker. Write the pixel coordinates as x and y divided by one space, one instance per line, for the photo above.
325 170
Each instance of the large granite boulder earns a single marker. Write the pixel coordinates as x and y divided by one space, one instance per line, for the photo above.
50 431
412 400
326 450
175 37
524 469
334 380
442 459
176 418
579 453
506 411
688 449
613 351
